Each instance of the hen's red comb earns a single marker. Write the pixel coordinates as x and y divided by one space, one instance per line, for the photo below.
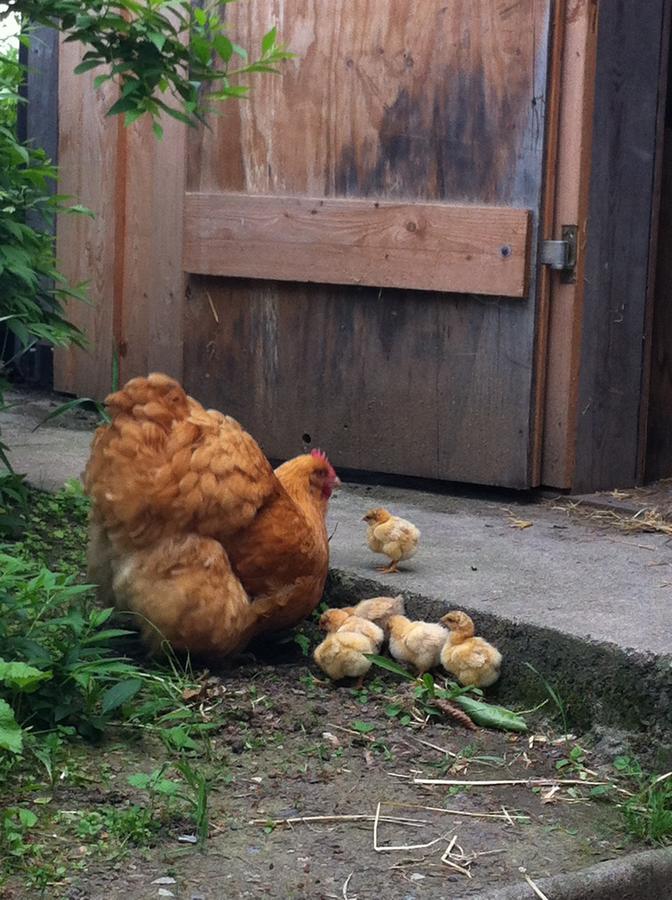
320 454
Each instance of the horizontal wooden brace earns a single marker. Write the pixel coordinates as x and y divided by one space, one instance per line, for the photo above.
421 246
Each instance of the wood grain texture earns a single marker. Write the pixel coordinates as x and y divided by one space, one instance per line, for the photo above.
423 246
617 254
85 247
153 279
363 372
398 102
571 186
659 436
654 463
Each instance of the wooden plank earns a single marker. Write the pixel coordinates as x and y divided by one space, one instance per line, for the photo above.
617 254
153 279
423 246
657 463
570 207
86 247
364 373
404 102
547 226
659 436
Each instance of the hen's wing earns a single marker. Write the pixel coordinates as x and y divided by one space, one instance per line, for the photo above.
164 465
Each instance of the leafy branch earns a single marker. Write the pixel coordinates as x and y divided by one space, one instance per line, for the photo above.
161 53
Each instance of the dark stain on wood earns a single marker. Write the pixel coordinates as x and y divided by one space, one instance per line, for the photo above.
398 101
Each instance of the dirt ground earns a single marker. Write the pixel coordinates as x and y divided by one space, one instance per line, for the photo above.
288 746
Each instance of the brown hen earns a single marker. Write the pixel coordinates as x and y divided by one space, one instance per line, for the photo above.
192 530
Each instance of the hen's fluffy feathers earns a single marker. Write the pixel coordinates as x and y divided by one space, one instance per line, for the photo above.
190 524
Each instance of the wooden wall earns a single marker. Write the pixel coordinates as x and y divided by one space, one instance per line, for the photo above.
385 103
131 252
618 278
433 109
658 463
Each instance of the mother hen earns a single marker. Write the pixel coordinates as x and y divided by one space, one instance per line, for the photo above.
192 530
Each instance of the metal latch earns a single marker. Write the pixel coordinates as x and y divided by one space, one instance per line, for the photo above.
561 255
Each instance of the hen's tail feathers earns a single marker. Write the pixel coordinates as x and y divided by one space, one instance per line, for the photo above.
186 592
157 399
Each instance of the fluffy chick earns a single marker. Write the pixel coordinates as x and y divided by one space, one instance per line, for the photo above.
392 536
470 659
341 655
340 620
417 643
378 609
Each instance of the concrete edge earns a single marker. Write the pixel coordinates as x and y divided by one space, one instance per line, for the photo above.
599 683
641 876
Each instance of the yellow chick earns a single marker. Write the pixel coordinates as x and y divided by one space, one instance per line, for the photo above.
378 609
392 536
340 620
470 659
417 643
341 655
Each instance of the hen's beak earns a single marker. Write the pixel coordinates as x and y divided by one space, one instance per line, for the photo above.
337 482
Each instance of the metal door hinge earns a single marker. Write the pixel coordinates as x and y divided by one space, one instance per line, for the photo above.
561 255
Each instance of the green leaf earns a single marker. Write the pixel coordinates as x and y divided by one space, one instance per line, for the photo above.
384 663
157 39
489 716
140 780
20 676
26 817
363 727
224 46
100 80
87 65
11 735
158 130
106 635
268 40
119 694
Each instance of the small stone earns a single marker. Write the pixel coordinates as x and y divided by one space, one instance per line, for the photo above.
187 839
164 892
165 879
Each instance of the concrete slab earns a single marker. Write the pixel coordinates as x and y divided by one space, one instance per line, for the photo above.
558 573
49 456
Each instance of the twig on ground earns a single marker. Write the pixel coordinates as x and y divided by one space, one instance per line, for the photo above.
385 849
345 888
537 890
529 782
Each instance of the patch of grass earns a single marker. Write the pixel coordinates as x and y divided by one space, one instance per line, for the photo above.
54 530
554 696
648 812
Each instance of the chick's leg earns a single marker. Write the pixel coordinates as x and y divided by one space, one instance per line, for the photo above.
394 552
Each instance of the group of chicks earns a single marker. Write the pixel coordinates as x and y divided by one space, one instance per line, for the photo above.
355 631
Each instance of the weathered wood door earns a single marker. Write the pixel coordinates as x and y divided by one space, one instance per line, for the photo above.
387 190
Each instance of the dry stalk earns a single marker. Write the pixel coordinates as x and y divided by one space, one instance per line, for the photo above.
380 849
529 782
537 890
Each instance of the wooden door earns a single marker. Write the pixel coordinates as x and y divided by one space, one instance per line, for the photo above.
387 190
